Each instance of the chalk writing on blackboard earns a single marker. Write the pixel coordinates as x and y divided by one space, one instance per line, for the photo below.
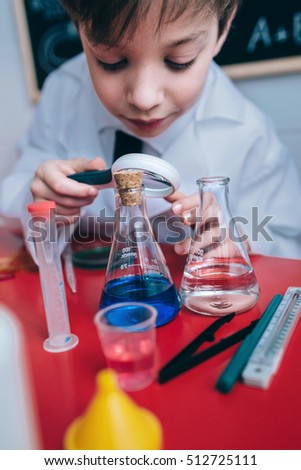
261 35
265 39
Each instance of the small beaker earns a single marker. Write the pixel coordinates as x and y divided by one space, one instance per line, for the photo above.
218 276
128 337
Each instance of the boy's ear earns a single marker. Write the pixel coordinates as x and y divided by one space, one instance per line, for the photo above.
223 37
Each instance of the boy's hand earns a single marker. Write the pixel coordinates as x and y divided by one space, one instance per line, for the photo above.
213 238
187 208
50 183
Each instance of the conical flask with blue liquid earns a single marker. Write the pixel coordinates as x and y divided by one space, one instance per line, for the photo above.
137 270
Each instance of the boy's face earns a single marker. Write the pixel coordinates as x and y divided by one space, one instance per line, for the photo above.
148 81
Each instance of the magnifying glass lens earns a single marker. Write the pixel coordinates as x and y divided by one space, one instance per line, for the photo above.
160 178
155 181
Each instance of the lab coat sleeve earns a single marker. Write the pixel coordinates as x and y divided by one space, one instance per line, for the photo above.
270 188
40 143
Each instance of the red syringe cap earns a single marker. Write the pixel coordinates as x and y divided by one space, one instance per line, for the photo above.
41 208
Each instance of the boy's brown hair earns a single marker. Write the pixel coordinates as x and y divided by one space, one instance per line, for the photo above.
106 21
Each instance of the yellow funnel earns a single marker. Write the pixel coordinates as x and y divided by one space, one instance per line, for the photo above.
113 421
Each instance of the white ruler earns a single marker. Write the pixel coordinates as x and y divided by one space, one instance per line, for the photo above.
267 355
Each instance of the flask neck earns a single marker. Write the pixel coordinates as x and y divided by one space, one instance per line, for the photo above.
130 197
214 190
216 184
131 200
214 181
131 219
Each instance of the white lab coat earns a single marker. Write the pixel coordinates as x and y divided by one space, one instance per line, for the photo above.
222 135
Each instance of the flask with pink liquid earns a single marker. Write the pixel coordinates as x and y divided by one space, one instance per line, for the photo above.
218 276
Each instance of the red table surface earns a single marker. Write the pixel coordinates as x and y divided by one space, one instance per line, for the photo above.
194 415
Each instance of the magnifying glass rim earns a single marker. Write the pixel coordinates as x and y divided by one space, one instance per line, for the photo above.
151 165
161 171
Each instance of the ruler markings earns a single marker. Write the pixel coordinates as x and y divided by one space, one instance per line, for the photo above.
268 353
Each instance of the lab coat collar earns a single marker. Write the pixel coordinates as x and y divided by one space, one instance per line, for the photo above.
220 98
162 142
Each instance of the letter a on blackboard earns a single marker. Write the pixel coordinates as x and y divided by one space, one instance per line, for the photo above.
261 33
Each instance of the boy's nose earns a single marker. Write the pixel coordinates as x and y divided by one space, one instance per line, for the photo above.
145 91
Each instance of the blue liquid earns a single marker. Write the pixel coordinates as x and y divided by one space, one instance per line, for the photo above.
153 290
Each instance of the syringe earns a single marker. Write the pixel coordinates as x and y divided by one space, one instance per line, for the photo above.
51 277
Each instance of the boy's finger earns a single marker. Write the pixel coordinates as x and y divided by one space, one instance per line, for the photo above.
96 163
70 203
59 185
75 188
82 164
175 196
67 219
185 204
190 217
183 247
67 211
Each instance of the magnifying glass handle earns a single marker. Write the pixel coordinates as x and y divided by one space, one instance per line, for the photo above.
94 177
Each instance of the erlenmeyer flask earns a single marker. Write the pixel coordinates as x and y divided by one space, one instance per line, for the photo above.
137 270
218 276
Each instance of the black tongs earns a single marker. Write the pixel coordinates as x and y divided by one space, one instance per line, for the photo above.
185 359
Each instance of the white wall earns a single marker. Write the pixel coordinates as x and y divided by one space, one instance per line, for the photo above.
15 107
279 96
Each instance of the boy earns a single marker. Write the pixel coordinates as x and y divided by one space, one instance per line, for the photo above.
147 69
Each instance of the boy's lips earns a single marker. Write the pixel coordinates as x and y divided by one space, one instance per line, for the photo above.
142 124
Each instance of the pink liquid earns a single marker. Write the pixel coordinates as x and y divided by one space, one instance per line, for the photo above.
135 366
219 288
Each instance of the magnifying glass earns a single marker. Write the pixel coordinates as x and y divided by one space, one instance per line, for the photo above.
160 178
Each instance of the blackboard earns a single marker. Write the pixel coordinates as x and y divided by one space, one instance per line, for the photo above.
48 38
265 39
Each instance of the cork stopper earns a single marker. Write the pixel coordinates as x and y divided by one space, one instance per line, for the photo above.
129 184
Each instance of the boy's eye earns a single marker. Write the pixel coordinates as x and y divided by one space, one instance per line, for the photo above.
112 67
178 67
116 66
